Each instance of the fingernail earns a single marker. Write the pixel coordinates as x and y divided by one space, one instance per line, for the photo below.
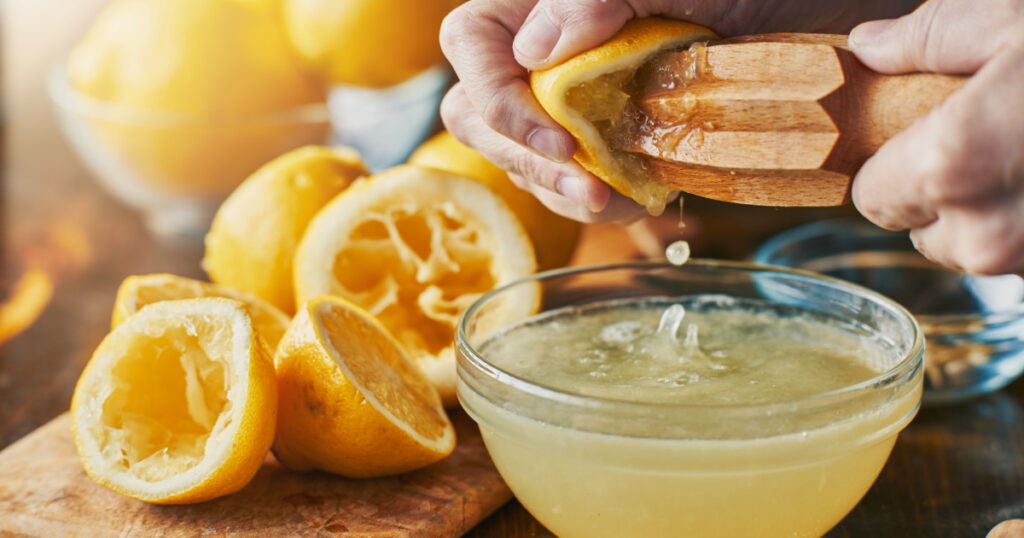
548 143
869 32
536 39
572 188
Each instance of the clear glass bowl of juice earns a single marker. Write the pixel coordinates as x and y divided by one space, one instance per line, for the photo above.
771 416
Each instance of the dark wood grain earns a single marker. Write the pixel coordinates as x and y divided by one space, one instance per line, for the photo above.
44 492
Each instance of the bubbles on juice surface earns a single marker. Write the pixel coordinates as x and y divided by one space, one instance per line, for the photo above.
684 349
622 332
678 252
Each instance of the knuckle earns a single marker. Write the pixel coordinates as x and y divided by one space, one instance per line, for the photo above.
940 182
527 166
920 38
943 167
452 108
498 112
866 200
583 15
570 13
452 27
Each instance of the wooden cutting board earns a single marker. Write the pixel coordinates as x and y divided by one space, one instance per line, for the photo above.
45 492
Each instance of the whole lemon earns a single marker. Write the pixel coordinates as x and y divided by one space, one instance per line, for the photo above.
195 94
371 43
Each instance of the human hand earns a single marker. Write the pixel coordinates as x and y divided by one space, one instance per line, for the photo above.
955 178
492 44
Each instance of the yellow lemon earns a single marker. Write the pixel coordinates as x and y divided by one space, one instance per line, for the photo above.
194 95
254 234
351 401
587 91
415 247
368 42
178 404
138 291
554 237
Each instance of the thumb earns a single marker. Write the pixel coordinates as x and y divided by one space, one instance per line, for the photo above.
941 36
557 29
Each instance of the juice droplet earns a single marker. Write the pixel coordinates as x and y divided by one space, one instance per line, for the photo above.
678 252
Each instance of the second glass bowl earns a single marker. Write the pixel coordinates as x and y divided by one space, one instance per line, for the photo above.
176 168
973 325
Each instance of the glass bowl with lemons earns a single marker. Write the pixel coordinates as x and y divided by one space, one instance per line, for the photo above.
171 105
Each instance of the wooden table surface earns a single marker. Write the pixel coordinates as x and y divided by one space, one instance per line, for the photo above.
955 472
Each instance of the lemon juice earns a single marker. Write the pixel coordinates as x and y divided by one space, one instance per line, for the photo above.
715 416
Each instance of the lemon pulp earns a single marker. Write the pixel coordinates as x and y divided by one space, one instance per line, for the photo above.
169 396
440 264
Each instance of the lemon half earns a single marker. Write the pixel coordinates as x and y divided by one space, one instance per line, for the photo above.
415 247
586 91
138 291
178 404
351 401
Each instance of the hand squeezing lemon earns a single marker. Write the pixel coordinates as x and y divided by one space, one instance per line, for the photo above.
587 91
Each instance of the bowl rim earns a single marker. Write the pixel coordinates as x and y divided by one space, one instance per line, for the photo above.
765 251
59 89
909 366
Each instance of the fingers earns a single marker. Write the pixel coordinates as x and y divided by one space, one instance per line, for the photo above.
985 240
617 209
956 177
477 40
942 36
558 29
566 188
488 43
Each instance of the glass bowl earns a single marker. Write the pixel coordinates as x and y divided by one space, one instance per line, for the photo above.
173 167
594 466
973 325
